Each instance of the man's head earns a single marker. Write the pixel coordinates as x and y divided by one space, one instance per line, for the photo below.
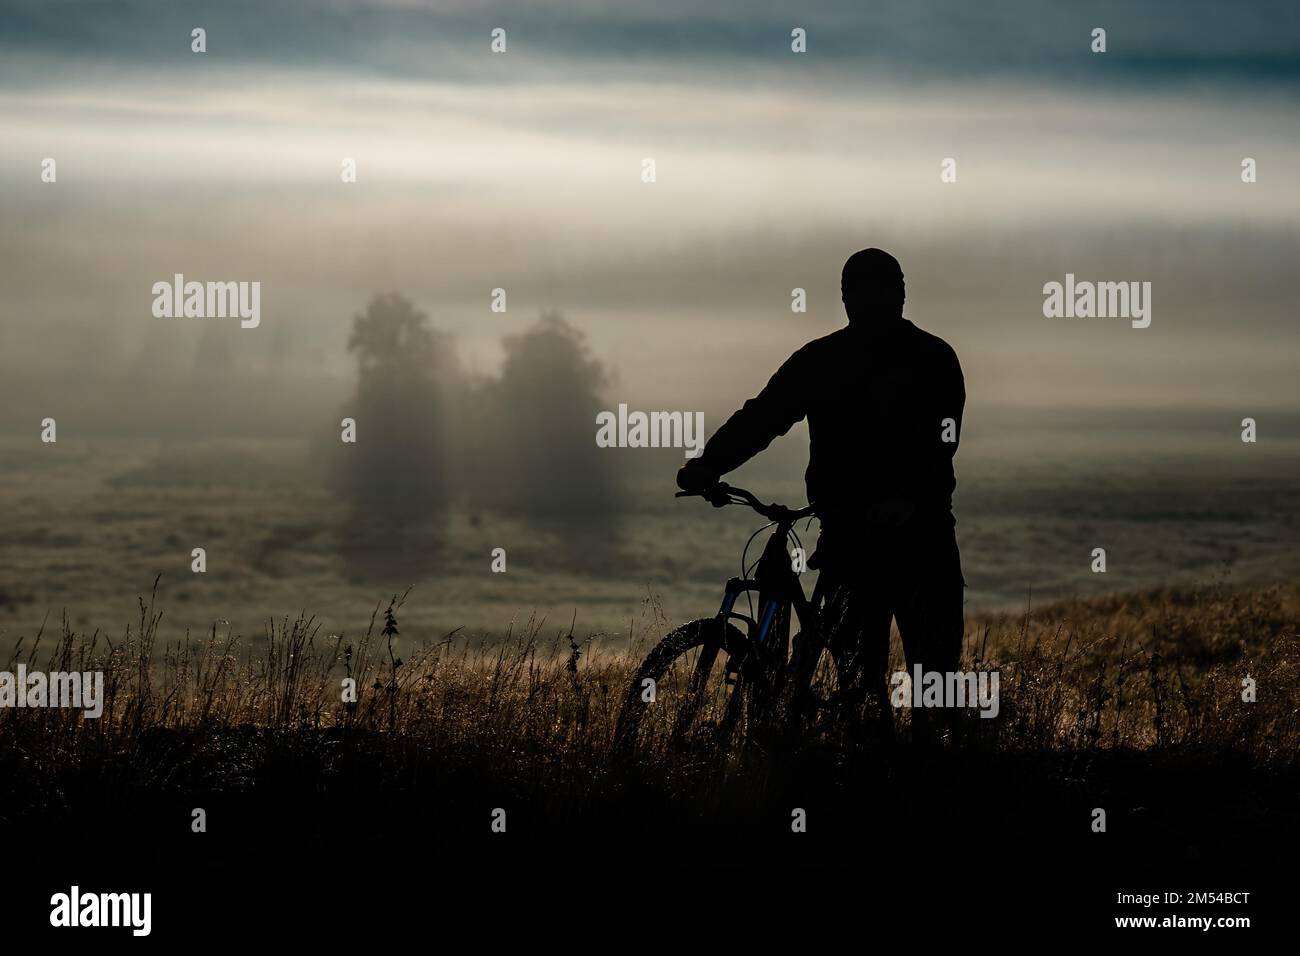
872 286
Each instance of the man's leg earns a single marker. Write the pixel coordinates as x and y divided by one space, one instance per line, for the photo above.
929 605
857 622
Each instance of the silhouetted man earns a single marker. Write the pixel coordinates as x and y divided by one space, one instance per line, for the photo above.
884 405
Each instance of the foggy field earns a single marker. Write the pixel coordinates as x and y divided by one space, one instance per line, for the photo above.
89 525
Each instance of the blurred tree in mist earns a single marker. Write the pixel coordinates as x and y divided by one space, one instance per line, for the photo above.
537 426
407 372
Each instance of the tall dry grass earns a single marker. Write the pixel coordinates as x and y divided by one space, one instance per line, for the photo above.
1158 669
1132 703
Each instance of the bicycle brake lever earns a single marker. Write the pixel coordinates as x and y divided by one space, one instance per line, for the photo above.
718 497
717 502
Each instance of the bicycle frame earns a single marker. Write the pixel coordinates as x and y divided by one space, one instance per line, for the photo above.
779 591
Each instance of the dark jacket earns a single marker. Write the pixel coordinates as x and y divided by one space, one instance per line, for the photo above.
876 397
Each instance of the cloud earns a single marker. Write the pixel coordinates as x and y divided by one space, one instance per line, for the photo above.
1173 42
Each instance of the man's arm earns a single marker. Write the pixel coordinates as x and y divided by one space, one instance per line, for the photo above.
769 414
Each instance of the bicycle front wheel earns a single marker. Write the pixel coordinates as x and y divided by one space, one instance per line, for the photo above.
689 691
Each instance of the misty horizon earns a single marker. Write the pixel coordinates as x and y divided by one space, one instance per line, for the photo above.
522 173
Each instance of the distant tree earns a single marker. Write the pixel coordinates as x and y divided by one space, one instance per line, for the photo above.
545 406
393 341
405 369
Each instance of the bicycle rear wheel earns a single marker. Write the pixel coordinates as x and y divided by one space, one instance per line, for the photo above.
690 690
815 697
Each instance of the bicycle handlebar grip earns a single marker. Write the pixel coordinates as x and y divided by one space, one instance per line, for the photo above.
719 495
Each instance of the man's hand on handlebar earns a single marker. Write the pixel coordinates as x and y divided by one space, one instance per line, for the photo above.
695 480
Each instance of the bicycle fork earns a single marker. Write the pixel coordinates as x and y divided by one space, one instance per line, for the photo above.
772 625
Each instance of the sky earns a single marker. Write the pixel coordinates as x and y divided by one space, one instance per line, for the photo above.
523 170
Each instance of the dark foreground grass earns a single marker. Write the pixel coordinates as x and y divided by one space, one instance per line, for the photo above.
1132 704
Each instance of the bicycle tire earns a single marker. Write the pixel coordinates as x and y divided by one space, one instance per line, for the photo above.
714 637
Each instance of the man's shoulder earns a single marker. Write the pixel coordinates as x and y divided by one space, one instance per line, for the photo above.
930 342
844 341
827 343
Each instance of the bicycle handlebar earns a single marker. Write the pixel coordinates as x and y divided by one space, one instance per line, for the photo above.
724 494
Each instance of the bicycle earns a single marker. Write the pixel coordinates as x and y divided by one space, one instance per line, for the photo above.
766 676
